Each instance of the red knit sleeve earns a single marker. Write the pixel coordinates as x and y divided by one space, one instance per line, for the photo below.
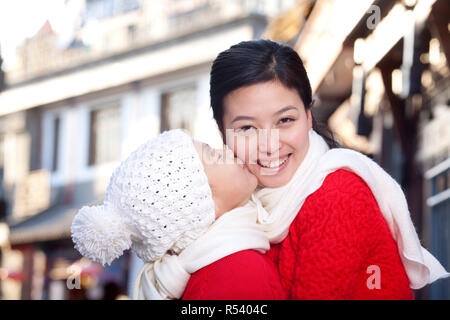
244 275
342 244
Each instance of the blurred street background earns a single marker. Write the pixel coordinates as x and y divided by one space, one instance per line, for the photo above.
84 82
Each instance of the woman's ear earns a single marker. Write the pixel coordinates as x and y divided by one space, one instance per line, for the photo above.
309 116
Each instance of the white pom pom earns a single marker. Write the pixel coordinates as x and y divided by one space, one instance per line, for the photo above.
99 234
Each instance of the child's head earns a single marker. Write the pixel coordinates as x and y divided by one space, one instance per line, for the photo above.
159 200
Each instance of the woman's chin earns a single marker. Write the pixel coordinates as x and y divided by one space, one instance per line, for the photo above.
273 183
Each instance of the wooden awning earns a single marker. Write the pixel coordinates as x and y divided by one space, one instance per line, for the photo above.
323 35
52 224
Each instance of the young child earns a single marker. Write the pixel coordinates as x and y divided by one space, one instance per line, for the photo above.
182 209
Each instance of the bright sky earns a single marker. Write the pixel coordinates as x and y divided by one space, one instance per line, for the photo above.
23 18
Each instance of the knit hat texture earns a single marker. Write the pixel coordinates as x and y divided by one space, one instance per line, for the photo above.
157 200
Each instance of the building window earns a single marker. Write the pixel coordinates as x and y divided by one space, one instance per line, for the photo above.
104 137
56 133
99 9
131 32
178 109
2 152
2 161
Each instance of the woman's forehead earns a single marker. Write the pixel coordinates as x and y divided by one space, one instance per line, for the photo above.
260 100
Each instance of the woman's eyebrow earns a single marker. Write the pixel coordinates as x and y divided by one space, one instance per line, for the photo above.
287 108
242 118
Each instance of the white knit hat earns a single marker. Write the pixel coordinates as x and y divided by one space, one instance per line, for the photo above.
157 200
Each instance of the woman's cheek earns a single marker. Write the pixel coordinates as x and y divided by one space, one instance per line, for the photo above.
251 149
297 138
245 148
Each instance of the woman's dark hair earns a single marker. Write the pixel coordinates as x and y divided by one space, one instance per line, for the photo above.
257 61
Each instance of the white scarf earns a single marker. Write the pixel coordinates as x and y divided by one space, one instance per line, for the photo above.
234 231
277 207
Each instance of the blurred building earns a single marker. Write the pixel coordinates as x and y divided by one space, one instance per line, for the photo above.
380 73
81 100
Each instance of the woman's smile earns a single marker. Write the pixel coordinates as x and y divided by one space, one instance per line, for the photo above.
273 166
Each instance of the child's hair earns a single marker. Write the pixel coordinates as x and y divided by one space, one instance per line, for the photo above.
157 200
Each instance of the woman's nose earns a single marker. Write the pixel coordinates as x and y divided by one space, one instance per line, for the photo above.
268 141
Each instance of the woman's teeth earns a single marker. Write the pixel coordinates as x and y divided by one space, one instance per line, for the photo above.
272 164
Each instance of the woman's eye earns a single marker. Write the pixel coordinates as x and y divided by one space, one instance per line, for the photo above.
245 128
286 120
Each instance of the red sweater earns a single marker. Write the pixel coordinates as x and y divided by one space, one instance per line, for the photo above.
337 237
244 275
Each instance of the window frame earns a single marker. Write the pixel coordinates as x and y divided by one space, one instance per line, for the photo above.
163 96
48 139
97 105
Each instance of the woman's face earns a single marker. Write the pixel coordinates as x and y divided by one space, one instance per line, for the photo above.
269 130
229 178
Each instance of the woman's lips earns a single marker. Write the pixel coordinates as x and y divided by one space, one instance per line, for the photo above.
272 163
271 168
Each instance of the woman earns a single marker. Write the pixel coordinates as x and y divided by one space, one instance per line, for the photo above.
338 224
